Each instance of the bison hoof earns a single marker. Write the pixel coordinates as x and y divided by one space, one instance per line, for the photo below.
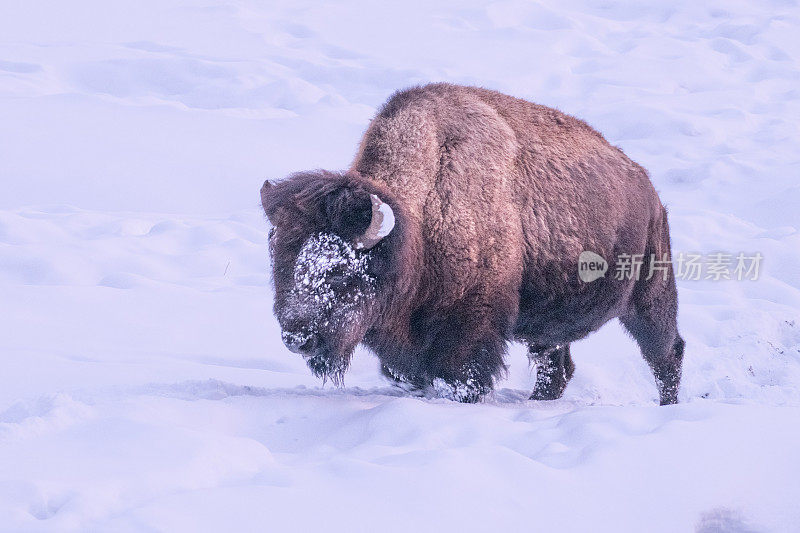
459 391
551 380
546 393
669 398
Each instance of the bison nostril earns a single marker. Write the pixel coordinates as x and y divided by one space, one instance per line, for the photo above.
292 346
302 344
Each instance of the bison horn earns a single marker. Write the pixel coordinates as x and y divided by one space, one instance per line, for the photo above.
379 227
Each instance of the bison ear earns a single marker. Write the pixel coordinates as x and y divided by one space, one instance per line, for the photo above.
348 212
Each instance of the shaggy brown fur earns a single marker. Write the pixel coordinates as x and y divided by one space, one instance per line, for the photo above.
495 198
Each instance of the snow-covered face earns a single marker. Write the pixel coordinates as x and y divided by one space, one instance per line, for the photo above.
323 304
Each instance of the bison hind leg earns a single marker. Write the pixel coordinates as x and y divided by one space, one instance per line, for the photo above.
652 321
554 369
662 348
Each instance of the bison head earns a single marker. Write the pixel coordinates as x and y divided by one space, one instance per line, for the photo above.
324 240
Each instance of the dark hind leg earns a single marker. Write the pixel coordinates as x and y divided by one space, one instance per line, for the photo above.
652 321
663 351
554 369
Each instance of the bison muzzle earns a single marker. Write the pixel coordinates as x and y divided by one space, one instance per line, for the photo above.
457 229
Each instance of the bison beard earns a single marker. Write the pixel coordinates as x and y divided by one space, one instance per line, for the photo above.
457 229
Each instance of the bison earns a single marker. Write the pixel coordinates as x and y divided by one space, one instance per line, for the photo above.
459 228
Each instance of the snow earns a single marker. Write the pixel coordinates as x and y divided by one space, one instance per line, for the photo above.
144 382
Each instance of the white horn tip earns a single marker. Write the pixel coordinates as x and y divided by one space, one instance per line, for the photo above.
380 226
387 216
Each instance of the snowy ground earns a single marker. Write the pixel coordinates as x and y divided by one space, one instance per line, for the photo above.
144 386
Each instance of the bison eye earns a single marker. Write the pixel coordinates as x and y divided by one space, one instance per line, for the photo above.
337 276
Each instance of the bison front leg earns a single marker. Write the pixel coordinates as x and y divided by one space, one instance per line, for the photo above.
554 369
402 382
466 368
467 384
465 346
